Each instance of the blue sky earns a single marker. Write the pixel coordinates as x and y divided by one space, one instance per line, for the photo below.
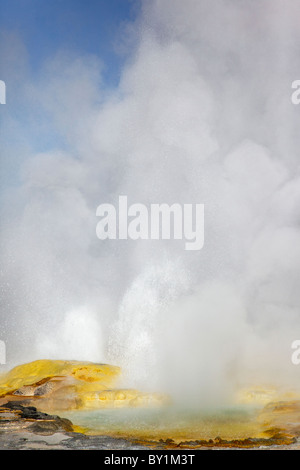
32 33
84 26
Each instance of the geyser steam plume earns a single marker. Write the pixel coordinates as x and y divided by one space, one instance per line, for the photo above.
202 114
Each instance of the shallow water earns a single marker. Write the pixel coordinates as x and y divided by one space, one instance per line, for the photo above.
169 423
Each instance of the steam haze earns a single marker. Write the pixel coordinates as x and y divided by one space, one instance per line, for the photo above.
202 114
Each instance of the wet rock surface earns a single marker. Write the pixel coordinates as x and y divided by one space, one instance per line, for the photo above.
63 441
24 427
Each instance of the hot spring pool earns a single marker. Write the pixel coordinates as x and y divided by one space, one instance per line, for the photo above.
170 423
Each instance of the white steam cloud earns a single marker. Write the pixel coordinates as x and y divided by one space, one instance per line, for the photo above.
202 114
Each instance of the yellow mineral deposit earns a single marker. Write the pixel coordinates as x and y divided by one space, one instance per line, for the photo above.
277 409
33 372
64 385
262 395
119 398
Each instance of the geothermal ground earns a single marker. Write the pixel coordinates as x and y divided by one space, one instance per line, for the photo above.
38 399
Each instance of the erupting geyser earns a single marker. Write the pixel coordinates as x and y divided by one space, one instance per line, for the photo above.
201 115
